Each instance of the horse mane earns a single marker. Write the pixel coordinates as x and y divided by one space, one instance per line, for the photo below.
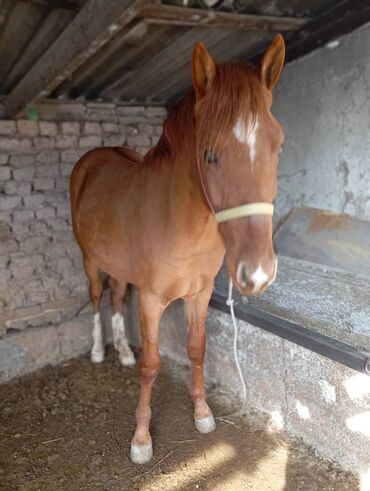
236 93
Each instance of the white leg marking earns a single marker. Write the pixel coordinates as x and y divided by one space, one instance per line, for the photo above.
120 343
259 278
247 134
97 352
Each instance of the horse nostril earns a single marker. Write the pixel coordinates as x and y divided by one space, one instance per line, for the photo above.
241 275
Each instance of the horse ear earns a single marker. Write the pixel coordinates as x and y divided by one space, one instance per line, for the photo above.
272 62
204 70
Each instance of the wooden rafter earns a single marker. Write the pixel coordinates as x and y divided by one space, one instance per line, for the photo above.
94 26
183 16
99 21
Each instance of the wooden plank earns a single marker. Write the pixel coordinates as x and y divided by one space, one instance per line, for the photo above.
184 16
342 18
101 63
132 55
94 26
23 22
49 30
236 45
133 81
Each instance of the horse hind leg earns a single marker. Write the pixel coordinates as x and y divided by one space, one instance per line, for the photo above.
117 293
96 291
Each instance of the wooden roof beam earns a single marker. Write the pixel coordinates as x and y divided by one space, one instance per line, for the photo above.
184 16
94 26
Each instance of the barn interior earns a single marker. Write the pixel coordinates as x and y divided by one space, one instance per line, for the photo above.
79 74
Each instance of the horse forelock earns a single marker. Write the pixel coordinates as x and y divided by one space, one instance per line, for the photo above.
236 95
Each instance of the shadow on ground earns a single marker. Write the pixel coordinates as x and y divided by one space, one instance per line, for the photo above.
69 428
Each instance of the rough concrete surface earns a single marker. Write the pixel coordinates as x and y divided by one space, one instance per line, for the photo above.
323 102
69 428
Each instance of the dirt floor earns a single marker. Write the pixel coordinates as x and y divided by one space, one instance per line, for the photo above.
69 428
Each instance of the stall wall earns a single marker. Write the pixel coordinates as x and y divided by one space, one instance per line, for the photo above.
42 284
323 103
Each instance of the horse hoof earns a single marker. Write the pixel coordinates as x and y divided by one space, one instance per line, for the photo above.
97 356
141 454
205 425
127 360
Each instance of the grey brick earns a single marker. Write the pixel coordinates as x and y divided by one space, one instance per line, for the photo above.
5 173
45 213
48 170
43 142
66 169
52 197
90 141
21 272
24 174
147 129
43 184
4 157
114 140
39 228
21 229
17 187
156 111
15 144
59 224
62 184
155 140
48 129
9 245
5 216
23 215
64 210
34 201
4 261
28 128
91 128
71 156
7 127
48 157
9 202
70 128
20 260
139 140
130 110
66 141
158 130
34 244
110 128
22 160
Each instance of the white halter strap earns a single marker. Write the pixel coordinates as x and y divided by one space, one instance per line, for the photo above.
245 211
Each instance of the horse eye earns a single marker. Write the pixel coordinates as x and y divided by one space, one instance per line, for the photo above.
210 157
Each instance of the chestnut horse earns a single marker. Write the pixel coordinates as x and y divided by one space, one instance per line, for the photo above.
162 222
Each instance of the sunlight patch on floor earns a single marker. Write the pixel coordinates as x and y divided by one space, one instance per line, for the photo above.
189 473
360 423
302 410
365 481
357 386
271 467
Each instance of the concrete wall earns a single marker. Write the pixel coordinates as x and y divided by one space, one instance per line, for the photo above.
288 387
42 283
323 102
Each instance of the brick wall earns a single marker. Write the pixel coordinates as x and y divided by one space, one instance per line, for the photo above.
41 278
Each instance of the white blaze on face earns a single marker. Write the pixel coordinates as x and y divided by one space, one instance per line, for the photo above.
259 278
247 134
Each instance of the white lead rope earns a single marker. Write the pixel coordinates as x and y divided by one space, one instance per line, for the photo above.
230 303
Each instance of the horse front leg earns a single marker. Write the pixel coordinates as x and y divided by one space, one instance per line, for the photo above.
196 311
150 313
